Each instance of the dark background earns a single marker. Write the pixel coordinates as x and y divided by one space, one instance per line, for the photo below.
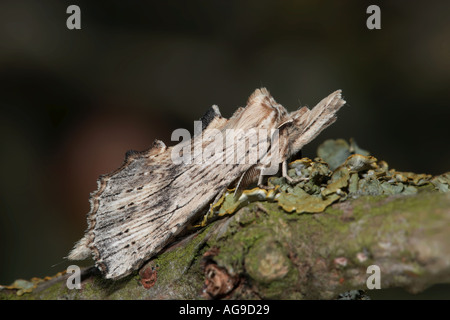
73 102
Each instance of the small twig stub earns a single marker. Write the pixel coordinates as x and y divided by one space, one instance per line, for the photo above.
142 206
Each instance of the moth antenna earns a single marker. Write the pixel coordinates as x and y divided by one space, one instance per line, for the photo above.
57 264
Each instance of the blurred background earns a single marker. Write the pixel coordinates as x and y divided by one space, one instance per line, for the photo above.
72 102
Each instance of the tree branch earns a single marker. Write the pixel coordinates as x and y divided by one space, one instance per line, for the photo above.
264 252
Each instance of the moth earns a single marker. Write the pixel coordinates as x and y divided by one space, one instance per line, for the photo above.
151 199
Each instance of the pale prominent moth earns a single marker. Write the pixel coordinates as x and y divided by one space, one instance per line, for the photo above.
141 207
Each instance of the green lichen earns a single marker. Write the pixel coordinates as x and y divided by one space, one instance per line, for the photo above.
355 173
442 182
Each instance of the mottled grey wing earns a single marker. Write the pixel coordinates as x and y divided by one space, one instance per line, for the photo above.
138 209
146 204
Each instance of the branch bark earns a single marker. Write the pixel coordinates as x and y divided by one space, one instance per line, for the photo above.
264 252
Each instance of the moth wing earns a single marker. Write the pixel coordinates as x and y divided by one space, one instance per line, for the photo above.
139 208
309 123
145 205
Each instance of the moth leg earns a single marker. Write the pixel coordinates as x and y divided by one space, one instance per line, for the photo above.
286 176
261 181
